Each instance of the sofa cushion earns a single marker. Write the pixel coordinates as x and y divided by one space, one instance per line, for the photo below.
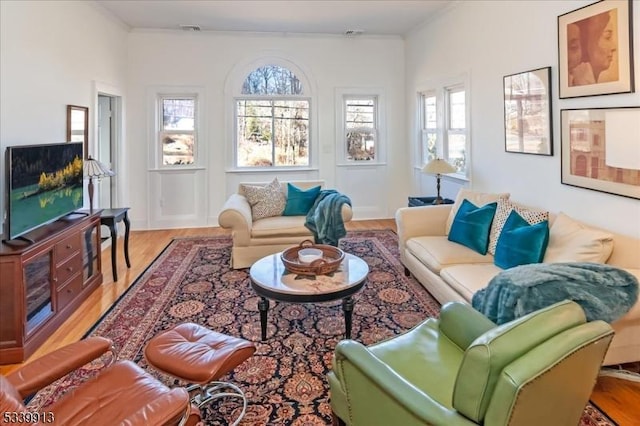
472 224
521 243
467 279
477 198
505 207
265 201
300 201
572 241
437 252
280 226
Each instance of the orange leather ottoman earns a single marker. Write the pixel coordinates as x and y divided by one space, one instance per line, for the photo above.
198 355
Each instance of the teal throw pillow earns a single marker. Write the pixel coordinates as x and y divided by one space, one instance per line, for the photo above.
521 243
472 224
300 201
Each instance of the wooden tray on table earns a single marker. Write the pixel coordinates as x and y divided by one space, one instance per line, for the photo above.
332 257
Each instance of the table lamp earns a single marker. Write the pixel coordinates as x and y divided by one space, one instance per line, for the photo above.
93 168
438 167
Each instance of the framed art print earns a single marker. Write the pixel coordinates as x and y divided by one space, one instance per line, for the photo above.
595 50
601 149
527 112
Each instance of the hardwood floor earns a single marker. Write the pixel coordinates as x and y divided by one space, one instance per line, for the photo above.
620 399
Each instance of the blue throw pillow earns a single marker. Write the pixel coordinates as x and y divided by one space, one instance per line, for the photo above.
472 224
299 201
521 243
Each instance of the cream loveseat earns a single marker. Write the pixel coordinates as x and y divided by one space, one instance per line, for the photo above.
253 240
453 272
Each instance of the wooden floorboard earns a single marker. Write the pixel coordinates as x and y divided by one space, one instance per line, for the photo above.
620 399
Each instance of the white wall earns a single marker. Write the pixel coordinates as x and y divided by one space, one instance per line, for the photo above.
51 55
491 39
207 61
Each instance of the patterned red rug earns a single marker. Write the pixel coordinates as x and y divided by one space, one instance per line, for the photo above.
285 381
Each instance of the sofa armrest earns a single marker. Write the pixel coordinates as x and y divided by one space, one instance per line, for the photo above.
236 215
376 394
347 213
421 221
462 324
37 374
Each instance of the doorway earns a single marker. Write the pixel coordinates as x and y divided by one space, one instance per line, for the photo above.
106 149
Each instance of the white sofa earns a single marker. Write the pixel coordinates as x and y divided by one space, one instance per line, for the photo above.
253 240
453 272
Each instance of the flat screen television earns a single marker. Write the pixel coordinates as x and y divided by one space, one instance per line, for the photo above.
44 183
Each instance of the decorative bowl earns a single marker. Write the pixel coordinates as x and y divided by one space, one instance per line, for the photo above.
328 262
308 255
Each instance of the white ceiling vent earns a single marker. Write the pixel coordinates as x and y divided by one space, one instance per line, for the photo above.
353 33
190 27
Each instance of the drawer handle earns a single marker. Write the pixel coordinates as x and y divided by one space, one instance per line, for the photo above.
69 246
70 269
68 290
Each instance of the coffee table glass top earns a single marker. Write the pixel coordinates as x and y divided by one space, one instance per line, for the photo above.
270 274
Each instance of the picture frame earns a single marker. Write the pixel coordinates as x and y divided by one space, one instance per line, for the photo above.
595 50
601 149
527 112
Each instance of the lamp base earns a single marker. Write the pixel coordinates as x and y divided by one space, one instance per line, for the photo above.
438 200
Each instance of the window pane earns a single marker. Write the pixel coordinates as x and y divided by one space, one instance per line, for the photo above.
360 113
291 129
271 80
272 133
457 151
361 144
177 148
430 117
457 110
429 147
178 114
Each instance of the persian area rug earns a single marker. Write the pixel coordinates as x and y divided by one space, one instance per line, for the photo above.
285 381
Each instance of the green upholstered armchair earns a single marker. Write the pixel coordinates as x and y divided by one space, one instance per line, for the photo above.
462 369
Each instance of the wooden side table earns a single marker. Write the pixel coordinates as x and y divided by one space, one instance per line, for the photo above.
110 217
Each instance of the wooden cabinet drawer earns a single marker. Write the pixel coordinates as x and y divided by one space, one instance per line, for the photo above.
68 268
69 291
67 247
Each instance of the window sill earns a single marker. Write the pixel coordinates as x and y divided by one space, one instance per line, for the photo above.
361 164
176 169
272 170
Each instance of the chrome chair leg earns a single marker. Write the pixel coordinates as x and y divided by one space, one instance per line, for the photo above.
205 394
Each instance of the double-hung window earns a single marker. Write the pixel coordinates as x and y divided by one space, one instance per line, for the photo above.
444 125
360 127
177 129
272 120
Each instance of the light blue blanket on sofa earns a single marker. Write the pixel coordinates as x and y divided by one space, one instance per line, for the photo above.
604 292
324 219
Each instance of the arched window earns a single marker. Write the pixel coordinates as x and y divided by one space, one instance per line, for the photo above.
272 120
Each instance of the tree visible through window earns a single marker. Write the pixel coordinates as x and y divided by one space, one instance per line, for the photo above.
361 128
177 129
272 120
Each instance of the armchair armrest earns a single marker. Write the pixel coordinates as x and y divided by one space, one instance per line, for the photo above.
168 409
462 324
50 367
421 221
378 395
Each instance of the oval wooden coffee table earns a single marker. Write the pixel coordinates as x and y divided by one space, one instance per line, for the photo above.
271 280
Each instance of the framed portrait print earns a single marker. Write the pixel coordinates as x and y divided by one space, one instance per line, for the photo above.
601 149
527 112
595 50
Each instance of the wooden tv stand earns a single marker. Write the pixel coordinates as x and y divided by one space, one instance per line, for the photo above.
43 282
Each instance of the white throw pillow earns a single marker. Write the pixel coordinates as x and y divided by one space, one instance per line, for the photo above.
479 199
265 201
505 207
572 241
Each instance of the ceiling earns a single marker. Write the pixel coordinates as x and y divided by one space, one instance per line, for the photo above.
397 17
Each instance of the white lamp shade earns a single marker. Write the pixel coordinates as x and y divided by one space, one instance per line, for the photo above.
95 169
438 167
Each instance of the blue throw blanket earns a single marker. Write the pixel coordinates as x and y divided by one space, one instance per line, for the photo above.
604 292
325 217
